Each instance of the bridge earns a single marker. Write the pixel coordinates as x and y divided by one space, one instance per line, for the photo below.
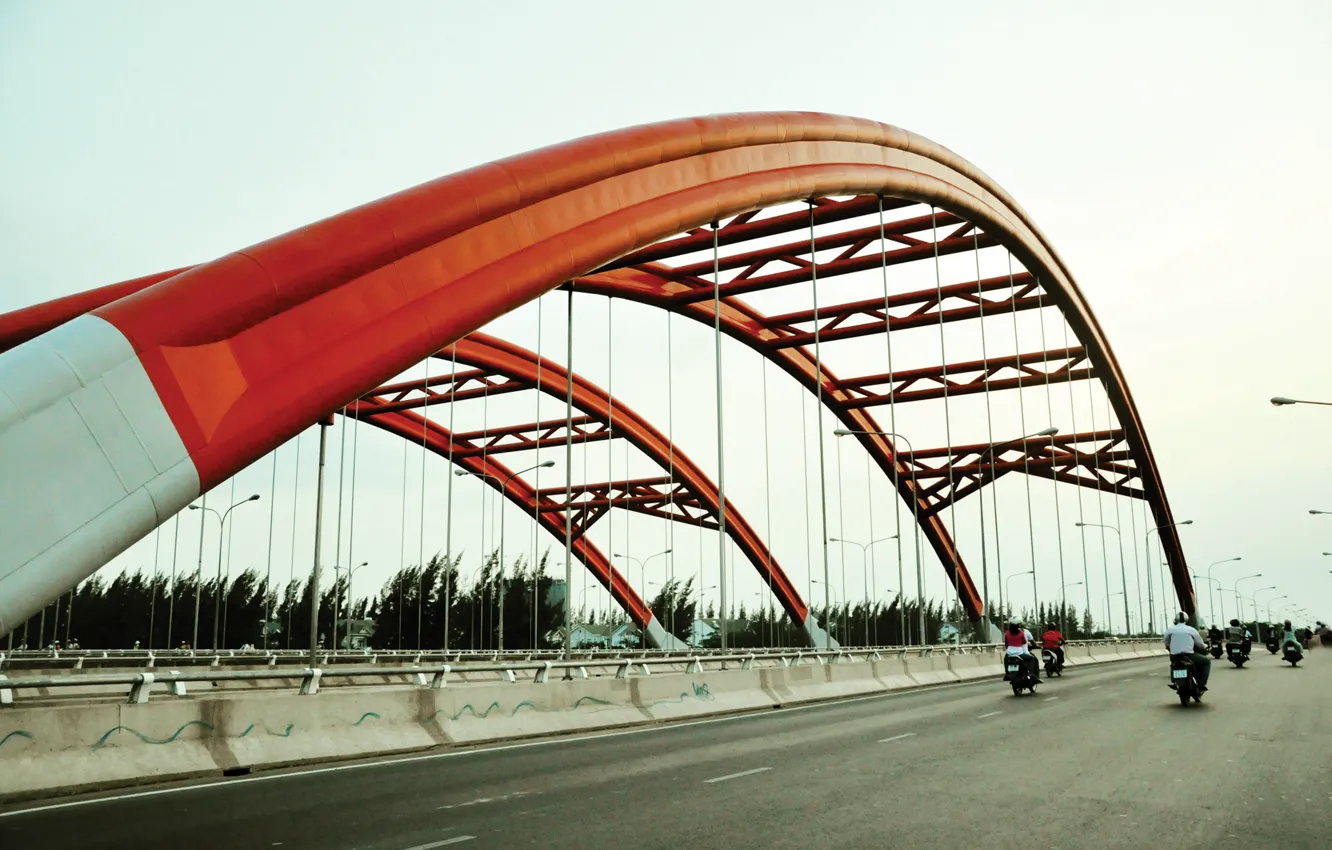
827 246
931 332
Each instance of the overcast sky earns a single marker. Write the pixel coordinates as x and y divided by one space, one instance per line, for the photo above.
1177 158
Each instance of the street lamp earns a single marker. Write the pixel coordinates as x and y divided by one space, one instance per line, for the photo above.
831 591
642 564
1007 591
198 579
915 509
1218 587
1147 551
1123 574
864 571
504 487
980 496
1239 605
1269 606
1279 401
1328 513
337 599
1254 600
1211 606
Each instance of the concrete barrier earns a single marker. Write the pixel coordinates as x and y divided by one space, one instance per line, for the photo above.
47 750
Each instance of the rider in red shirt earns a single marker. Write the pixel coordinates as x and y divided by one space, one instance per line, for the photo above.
1053 640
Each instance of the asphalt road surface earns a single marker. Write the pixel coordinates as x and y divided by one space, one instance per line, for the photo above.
1105 757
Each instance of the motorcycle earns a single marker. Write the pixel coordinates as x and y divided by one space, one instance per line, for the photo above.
1183 680
1216 648
1235 654
1292 654
1019 675
1053 666
1273 646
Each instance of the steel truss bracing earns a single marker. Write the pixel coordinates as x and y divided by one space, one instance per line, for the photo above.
689 497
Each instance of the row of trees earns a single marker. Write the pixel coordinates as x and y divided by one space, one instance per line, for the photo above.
418 605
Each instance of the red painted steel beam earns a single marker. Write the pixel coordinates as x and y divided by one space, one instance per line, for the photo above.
743 323
410 426
486 352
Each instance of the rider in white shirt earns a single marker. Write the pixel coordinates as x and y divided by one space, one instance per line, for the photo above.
1183 639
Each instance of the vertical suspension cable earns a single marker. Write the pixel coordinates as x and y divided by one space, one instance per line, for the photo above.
568 480
226 584
1082 517
536 488
721 434
481 637
804 466
948 424
420 545
152 604
610 461
452 561
841 549
1026 452
869 549
892 426
1119 525
818 411
986 617
295 499
767 497
402 541
338 589
351 516
1054 482
670 497
1100 507
171 606
1145 626
269 596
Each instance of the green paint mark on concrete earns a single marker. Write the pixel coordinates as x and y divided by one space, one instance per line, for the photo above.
595 700
700 692
364 716
148 740
467 709
285 733
18 733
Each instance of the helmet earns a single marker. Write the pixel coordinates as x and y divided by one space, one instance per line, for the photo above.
1234 622
1181 617
1287 624
1015 620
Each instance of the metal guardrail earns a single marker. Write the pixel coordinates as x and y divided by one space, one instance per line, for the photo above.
176 682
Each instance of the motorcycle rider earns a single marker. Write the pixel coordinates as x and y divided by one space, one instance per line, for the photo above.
1214 635
1237 634
1289 638
1183 639
1053 640
1017 642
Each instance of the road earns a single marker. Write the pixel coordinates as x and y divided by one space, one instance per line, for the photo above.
1103 758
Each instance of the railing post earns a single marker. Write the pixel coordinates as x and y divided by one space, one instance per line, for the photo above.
310 681
542 674
6 694
441 678
143 683
622 670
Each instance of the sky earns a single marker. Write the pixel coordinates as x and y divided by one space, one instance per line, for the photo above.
1176 157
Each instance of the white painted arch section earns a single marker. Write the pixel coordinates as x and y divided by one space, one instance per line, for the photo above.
90 462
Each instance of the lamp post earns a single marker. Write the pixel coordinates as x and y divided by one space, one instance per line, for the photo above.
1218 585
828 589
217 599
504 486
1325 513
1009 579
642 572
1279 401
1147 551
1254 600
864 570
915 510
1269 605
1106 602
337 599
980 495
1063 605
1211 605
1123 574
1239 606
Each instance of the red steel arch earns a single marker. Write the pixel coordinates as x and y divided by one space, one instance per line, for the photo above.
391 408
229 346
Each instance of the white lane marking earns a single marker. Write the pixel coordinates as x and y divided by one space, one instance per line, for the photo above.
445 843
481 801
990 714
896 738
735 775
1051 699
1094 688
388 762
